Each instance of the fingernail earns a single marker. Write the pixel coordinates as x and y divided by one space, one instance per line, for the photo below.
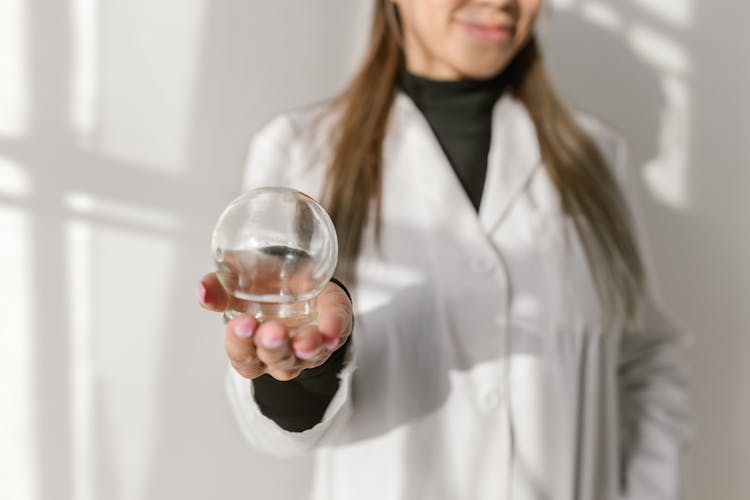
308 354
272 341
332 344
244 329
201 292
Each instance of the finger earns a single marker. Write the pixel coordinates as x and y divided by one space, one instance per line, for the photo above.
250 370
309 347
211 293
240 347
284 375
334 311
273 346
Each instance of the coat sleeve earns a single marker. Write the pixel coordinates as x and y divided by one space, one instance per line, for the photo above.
655 415
269 163
267 436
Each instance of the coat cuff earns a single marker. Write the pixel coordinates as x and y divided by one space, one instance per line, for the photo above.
266 435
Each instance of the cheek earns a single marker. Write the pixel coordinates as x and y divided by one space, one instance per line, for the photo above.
431 21
528 12
432 18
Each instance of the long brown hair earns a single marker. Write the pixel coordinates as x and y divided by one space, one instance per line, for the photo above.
588 191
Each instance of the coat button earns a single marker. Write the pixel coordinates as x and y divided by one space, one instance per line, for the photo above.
482 265
489 399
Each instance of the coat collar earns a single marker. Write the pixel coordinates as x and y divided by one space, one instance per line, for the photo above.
514 155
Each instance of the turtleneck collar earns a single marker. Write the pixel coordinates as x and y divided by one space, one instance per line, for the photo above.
454 105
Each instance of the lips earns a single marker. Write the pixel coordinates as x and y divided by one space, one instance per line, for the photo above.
491 32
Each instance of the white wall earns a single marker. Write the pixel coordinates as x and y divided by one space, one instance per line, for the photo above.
123 126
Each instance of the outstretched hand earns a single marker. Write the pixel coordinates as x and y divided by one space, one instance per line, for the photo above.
270 347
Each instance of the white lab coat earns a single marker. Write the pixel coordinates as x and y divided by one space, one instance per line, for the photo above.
482 366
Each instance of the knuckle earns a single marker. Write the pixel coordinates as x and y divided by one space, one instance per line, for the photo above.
249 374
240 359
248 362
314 363
247 371
287 361
284 375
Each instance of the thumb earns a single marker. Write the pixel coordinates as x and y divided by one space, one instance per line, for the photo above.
334 316
211 293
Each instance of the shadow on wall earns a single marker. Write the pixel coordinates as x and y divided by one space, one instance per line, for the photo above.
599 72
93 367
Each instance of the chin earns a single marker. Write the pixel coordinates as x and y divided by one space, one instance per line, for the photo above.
484 71
483 67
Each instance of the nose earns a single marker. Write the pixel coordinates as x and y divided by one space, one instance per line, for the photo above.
497 3
509 6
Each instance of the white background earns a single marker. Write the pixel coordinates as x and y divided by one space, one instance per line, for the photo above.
123 127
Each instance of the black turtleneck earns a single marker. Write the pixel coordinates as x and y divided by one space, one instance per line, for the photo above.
460 115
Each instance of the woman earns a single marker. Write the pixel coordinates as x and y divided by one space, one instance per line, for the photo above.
505 343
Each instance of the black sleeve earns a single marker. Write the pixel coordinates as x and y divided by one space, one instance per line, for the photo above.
298 404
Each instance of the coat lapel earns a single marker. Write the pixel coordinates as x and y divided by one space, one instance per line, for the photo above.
513 157
421 158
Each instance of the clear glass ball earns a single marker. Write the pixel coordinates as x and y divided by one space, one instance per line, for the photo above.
274 249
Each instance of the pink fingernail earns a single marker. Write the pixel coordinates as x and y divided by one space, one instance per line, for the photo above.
272 342
308 355
332 344
201 292
244 329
